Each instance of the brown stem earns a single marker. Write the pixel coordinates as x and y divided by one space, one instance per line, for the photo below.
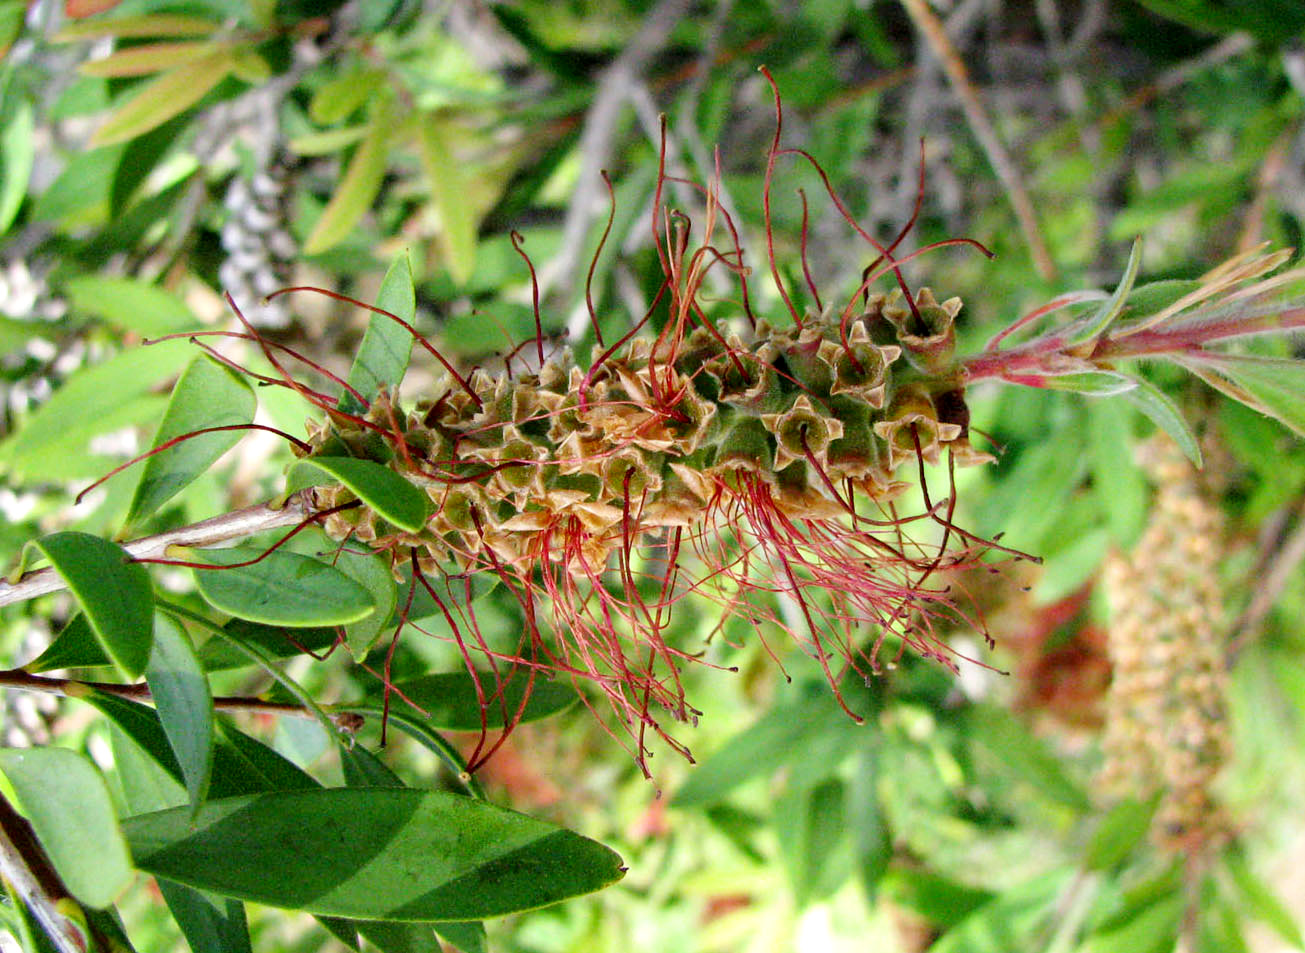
207 533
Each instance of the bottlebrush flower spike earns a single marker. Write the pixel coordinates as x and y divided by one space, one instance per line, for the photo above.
748 464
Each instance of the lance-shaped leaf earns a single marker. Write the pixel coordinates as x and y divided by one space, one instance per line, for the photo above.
131 304
113 592
452 703
17 155
377 854
148 25
358 188
392 497
68 804
145 59
448 192
281 589
1151 401
1273 386
207 395
1091 383
1100 322
184 702
386 345
163 97
74 647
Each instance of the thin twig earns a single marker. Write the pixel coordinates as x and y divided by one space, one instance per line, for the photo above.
952 64
208 533
24 866
1272 578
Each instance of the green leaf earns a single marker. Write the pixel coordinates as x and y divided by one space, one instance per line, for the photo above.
451 700
872 845
146 58
74 647
372 572
327 142
131 305
184 703
207 395
1100 322
1022 755
809 823
1260 900
1151 929
338 97
1091 383
91 402
210 924
1151 401
377 854
359 187
1012 921
218 654
17 154
393 497
163 97
12 16
449 194
68 804
387 345
362 769
114 593
1273 386
468 936
281 589
1118 483
1119 832
148 25
939 899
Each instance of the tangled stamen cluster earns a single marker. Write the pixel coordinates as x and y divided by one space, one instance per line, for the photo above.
696 463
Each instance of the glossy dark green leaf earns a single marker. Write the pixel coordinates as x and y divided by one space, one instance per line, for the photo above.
451 701
392 937
210 924
131 304
114 594
394 498
74 647
281 589
362 769
276 642
184 702
468 936
378 854
207 395
67 802
386 345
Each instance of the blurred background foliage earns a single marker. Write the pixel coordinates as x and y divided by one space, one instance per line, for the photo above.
160 153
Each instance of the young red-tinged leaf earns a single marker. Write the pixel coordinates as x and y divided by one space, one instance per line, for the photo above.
163 97
148 25
377 854
68 804
85 8
145 59
207 395
372 572
361 182
184 702
1152 401
131 304
449 194
452 704
17 155
282 588
386 345
393 498
1273 386
113 592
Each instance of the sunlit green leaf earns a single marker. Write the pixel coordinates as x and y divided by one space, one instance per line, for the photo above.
114 593
1261 901
131 304
357 190
68 804
207 395
281 589
1118 833
386 345
17 154
338 97
163 97
392 496
184 702
378 854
